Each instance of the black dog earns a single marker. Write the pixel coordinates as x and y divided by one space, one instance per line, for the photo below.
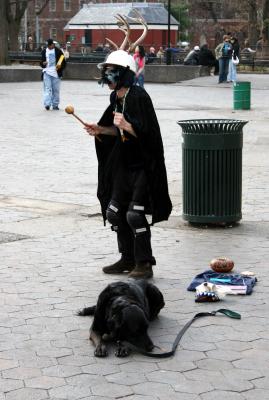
122 313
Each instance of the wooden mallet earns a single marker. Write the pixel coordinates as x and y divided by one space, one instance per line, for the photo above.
70 110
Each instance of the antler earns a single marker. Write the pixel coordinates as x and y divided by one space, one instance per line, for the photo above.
125 28
142 21
112 43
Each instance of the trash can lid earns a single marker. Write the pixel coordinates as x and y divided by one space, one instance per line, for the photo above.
211 126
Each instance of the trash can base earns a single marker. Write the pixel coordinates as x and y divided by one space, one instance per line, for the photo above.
214 220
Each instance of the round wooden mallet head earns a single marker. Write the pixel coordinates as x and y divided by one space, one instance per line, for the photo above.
69 109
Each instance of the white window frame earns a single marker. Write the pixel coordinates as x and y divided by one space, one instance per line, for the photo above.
67 5
53 33
52 5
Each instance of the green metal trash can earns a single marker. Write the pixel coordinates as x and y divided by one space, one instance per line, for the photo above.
212 170
241 95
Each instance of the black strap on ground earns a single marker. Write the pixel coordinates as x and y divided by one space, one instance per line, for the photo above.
228 313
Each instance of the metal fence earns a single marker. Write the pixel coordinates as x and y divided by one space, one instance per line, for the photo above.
175 56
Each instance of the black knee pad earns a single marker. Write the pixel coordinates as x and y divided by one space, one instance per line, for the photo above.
137 221
113 215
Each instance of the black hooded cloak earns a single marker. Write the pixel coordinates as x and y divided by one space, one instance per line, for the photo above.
139 112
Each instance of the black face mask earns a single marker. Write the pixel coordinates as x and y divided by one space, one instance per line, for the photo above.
120 76
109 76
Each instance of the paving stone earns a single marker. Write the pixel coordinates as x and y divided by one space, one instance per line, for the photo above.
86 380
7 364
195 387
21 373
243 374
154 388
234 385
198 374
162 376
223 395
138 397
7 385
44 382
214 365
76 360
123 378
261 383
180 396
224 355
53 351
112 390
256 394
135 366
27 393
63 371
38 362
104 369
69 392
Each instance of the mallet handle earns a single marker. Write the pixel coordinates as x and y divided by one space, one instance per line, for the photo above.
80 120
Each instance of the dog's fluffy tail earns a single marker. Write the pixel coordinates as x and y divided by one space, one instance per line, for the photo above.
87 311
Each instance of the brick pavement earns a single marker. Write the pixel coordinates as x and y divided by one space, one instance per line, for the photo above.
53 245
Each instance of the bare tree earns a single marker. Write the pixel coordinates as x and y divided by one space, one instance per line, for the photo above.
11 14
15 13
16 10
3 33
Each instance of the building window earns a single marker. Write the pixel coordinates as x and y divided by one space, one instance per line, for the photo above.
52 5
67 5
81 3
53 33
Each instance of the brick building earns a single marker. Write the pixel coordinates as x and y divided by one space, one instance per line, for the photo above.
51 20
94 22
88 23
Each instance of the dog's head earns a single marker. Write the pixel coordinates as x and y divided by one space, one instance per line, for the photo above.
128 322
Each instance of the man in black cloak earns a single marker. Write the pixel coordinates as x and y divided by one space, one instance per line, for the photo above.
132 180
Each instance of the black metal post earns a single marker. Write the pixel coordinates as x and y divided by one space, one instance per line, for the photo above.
168 50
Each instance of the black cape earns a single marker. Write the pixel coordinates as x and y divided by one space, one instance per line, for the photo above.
140 113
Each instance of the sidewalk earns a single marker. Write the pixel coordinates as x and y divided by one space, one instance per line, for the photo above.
53 245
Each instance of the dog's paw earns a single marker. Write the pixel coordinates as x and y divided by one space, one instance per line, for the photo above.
122 351
101 351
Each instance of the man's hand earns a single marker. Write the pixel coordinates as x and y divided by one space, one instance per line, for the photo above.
121 123
93 129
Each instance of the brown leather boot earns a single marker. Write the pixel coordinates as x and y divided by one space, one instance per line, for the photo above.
119 267
142 270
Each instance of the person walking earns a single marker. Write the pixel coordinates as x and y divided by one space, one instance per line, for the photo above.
223 54
132 180
234 60
140 60
53 63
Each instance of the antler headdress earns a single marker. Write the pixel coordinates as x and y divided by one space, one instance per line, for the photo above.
124 26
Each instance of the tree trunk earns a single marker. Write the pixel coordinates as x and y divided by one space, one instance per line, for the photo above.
4 60
253 22
266 18
13 30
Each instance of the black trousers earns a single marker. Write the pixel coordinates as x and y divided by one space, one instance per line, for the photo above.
126 213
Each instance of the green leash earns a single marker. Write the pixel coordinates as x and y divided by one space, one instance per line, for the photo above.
228 313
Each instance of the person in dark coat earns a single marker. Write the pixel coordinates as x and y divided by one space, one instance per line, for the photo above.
207 58
132 180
